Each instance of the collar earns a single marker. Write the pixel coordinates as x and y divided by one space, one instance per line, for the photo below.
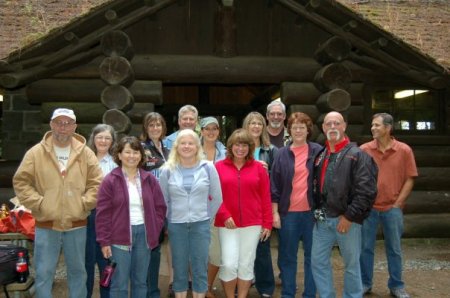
339 146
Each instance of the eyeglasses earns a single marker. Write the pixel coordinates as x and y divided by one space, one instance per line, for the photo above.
102 138
154 125
63 123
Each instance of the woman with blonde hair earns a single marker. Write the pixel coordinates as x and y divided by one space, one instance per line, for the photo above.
192 193
265 153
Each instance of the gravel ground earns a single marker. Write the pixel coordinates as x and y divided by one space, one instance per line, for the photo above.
426 271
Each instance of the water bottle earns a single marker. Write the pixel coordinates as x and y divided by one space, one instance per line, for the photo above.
107 273
21 268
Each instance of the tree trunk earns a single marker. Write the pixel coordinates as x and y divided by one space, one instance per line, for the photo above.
117 44
333 76
116 71
117 97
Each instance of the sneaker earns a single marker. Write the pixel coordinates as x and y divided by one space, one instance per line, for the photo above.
399 293
366 290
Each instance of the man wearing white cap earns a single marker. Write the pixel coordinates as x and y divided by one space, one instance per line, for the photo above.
58 181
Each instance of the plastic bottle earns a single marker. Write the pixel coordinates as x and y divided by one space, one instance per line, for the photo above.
21 268
107 273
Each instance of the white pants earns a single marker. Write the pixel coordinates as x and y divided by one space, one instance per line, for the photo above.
238 252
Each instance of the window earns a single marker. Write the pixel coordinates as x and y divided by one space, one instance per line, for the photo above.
413 110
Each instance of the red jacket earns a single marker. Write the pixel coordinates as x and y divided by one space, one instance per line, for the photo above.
246 194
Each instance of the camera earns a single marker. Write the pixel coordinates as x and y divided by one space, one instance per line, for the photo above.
320 214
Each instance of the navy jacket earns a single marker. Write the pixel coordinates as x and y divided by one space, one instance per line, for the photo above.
283 173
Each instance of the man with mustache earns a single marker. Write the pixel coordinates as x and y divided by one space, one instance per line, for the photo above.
58 181
344 189
275 115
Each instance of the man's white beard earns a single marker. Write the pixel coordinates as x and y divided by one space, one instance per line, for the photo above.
275 124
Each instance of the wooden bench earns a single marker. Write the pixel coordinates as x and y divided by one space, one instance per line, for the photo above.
21 290
17 239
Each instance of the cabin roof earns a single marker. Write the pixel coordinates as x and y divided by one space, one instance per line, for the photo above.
417 30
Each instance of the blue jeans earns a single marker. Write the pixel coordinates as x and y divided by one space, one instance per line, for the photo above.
392 224
132 266
325 236
93 256
264 279
189 244
47 247
153 269
295 226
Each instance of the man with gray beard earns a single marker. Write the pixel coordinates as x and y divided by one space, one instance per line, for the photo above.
344 189
275 115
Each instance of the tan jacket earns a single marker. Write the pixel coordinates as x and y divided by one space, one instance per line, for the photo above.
58 203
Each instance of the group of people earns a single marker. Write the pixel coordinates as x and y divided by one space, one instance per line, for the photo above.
108 199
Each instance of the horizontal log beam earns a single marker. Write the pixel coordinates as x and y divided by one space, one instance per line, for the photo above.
88 112
6 194
432 178
428 202
426 225
60 90
307 93
211 69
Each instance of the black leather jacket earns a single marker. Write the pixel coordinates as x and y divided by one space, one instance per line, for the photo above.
353 188
267 154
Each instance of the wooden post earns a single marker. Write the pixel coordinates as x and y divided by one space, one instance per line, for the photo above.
225 32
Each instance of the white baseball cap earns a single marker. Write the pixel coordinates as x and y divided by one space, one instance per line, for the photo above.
64 112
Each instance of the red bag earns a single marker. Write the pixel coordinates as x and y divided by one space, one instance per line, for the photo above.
9 225
20 221
3 227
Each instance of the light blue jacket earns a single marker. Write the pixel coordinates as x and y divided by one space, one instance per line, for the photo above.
170 139
201 203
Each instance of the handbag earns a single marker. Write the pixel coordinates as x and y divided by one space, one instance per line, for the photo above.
8 258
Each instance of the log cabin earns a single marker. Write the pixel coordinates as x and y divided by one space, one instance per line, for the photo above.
126 58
